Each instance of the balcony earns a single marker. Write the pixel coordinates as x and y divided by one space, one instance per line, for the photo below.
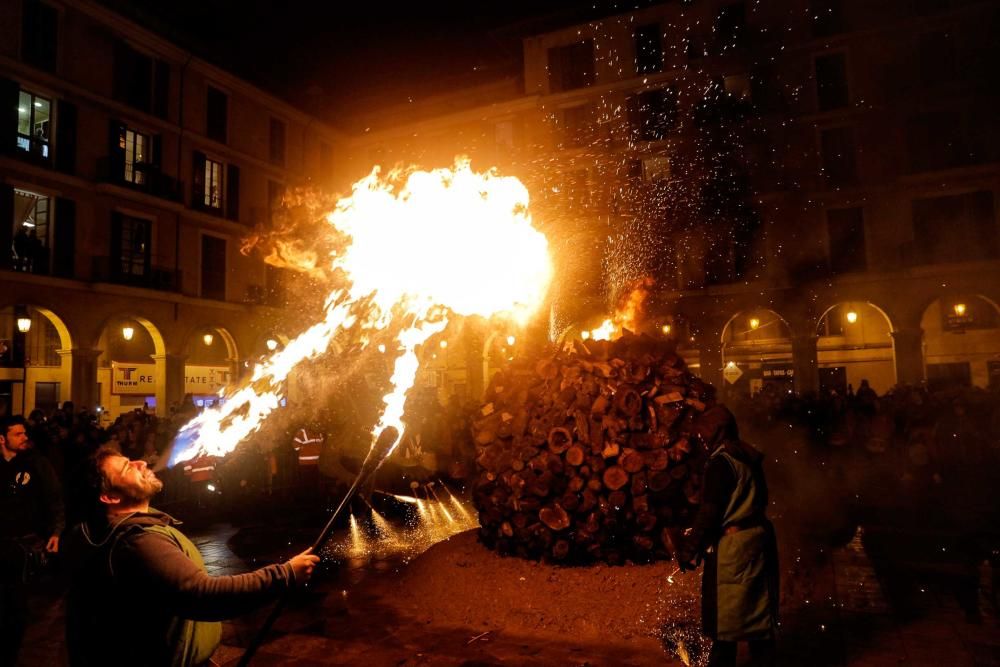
106 270
147 178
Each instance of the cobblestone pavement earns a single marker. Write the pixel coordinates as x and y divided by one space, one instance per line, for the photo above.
841 617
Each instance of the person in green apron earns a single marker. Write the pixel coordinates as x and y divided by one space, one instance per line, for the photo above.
737 541
139 591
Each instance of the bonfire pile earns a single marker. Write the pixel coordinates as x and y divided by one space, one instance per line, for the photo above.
588 455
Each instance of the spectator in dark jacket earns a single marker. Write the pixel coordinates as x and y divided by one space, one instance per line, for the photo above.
31 520
134 566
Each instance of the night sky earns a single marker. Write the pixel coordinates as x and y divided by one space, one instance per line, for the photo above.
335 59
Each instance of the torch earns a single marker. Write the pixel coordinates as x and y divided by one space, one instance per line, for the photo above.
380 449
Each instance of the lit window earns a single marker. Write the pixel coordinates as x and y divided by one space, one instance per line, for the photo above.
33 122
213 184
137 155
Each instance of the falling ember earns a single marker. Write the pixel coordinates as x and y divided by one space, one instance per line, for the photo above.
423 247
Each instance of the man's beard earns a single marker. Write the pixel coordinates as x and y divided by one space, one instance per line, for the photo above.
141 491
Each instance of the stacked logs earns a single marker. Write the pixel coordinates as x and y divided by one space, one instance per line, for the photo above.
587 455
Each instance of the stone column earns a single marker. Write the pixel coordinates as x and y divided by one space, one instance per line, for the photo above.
908 350
710 364
169 381
805 363
82 377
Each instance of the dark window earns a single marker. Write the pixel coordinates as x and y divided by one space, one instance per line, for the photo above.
648 49
325 160
653 114
956 228
131 246
936 140
213 268
277 144
32 224
730 27
827 17
133 77
34 125
66 137
233 192
275 193
937 57
217 115
47 393
574 125
839 162
846 227
39 38
831 81
941 377
64 239
571 66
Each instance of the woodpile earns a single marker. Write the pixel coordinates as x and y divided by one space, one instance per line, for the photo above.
588 455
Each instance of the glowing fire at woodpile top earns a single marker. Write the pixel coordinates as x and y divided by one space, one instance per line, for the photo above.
628 316
422 247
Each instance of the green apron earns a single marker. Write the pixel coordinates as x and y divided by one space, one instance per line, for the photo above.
194 641
745 582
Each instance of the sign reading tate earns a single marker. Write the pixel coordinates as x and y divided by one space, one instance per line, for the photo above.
141 379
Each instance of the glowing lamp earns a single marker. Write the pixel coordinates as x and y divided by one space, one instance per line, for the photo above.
958 307
444 344
24 324
381 348
666 328
271 344
127 332
754 323
208 338
585 335
511 340
852 317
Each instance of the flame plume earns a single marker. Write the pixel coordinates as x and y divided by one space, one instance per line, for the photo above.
444 243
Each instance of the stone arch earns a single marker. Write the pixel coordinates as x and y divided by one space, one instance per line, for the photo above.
854 342
38 366
962 340
756 345
156 383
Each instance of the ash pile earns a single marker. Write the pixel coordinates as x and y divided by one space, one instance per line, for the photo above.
588 455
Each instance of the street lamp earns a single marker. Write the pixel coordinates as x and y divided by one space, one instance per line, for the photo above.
958 307
511 340
208 338
272 344
127 332
852 317
23 326
666 329
754 323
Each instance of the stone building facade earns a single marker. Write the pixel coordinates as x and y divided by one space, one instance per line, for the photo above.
812 185
130 172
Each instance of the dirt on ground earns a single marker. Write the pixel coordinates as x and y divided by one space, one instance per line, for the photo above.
461 582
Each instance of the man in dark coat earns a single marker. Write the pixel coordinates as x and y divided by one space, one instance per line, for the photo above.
737 541
135 572
31 520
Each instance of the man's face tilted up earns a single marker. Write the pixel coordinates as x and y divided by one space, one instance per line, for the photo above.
128 482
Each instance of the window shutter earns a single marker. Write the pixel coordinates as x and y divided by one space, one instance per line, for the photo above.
6 223
233 192
161 88
66 137
157 158
64 239
115 251
8 115
116 153
198 180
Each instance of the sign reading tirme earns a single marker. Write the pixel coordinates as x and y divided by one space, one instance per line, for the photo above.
140 379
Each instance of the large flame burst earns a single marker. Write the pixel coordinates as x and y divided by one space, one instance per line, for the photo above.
448 242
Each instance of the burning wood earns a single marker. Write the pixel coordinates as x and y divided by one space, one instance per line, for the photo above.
588 455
